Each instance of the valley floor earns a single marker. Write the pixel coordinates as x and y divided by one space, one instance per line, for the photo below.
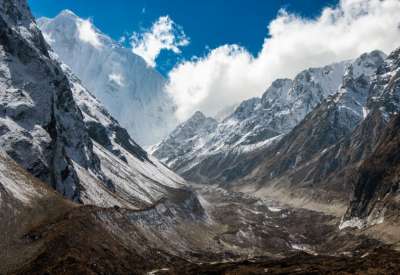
242 235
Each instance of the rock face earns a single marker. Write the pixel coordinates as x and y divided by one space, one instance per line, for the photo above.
42 128
376 186
55 129
129 89
134 177
376 194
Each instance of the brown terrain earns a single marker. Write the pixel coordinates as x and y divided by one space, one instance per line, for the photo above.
55 236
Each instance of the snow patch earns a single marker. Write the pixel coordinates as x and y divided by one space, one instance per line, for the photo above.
352 223
117 78
274 209
153 272
365 112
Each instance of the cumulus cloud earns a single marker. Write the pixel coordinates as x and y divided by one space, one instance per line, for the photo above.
229 73
165 34
87 33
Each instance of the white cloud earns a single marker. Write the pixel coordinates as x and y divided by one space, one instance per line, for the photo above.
122 40
229 74
117 78
163 35
87 33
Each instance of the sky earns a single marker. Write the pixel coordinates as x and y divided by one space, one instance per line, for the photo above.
216 53
207 23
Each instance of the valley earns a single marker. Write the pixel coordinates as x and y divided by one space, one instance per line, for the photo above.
301 180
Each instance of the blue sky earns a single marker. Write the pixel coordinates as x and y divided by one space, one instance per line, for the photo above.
208 23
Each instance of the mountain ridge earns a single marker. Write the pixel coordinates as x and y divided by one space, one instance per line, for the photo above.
259 122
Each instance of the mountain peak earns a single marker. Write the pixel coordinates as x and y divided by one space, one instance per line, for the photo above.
67 13
198 119
368 63
197 115
138 102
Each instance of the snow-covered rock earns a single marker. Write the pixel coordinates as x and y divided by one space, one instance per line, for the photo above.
135 177
259 122
376 186
122 81
321 104
60 133
308 154
187 137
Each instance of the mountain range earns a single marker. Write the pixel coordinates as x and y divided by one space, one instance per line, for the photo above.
302 180
301 142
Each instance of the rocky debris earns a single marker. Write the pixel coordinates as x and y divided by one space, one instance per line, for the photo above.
75 239
379 261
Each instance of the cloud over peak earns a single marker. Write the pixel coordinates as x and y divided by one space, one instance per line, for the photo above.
87 33
165 34
229 73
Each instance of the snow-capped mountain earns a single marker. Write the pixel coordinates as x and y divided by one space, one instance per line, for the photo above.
134 177
259 122
121 80
313 156
344 150
185 138
55 129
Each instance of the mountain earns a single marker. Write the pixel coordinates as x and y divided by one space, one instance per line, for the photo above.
312 161
132 91
376 189
79 196
259 122
55 129
69 172
184 139
307 166
341 158
376 193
